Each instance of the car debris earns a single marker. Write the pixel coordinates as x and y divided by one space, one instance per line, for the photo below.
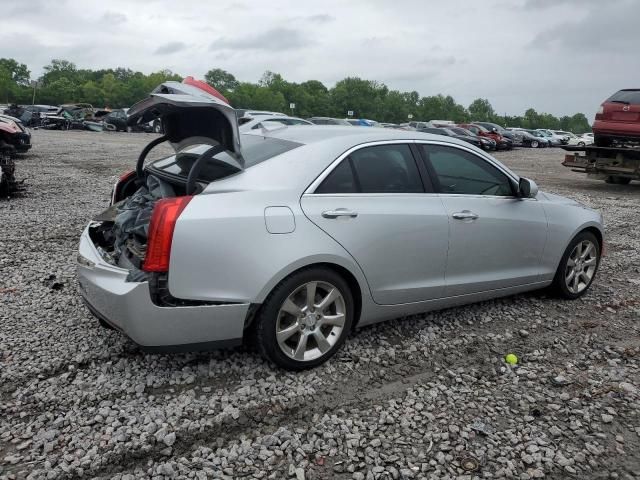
8 183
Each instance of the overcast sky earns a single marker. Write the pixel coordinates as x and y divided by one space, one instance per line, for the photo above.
558 56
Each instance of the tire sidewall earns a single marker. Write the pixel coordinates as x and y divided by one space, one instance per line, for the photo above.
559 281
534 144
265 334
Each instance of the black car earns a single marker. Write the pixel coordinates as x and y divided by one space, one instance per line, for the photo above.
484 142
533 139
115 121
450 133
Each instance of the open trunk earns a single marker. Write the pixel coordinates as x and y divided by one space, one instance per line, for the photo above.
204 132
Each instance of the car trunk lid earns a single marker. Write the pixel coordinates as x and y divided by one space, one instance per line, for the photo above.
622 106
189 115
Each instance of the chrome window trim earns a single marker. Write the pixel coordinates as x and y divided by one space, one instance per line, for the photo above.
310 190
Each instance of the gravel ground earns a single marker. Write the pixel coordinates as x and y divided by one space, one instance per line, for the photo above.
421 397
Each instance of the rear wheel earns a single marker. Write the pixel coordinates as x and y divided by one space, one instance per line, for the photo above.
616 180
581 144
578 266
305 319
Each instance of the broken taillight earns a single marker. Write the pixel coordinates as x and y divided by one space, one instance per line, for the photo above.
163 223
117 191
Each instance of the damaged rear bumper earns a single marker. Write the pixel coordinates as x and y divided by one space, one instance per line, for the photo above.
128 307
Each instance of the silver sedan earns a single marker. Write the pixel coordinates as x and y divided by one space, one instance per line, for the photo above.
292 238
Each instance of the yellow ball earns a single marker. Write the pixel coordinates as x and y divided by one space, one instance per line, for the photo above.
511 359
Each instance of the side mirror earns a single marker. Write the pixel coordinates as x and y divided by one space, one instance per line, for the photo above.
527 188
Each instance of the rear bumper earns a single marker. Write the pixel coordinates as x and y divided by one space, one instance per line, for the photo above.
127 306
617 129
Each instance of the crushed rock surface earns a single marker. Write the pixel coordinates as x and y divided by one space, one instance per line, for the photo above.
422 397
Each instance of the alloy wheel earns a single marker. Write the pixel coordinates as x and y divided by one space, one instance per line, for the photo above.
310 321
534 144
581 266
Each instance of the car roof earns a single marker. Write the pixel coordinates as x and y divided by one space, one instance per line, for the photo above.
338 134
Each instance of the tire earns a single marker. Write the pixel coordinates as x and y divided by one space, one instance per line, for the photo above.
157 126
581 144
601 141
574 286
534 144
285 310
616 180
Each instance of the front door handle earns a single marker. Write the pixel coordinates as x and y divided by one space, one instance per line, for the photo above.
465 215
339 212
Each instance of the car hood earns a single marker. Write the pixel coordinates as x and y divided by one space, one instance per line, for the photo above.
10 124
189 116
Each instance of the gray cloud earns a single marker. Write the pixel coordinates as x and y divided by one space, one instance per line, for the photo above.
169 48
612 29
542 4
114 18
321 18
559 56
275 39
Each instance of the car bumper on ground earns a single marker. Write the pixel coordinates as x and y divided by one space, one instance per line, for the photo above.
127 306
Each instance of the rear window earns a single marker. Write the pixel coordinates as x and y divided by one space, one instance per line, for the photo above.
255 149
626 96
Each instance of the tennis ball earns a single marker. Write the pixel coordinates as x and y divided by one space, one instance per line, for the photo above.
511 359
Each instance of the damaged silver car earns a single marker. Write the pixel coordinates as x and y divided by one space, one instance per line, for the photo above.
292 236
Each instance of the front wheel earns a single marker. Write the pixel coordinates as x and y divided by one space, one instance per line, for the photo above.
578 266
581 144
305 319
616 180
534 144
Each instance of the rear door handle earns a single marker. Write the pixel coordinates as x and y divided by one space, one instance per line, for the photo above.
339 212
465 215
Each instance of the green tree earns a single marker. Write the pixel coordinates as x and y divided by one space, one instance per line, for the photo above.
221 80
18 72
481 110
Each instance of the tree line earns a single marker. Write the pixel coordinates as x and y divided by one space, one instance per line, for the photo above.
62 82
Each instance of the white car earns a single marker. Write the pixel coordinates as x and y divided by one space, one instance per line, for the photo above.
246 123
582 140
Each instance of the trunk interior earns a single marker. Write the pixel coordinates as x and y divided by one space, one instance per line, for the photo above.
120 232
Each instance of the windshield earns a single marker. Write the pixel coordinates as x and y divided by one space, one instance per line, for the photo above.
255 149
461 131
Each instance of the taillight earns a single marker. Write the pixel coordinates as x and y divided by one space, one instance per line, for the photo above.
127 175
600 112
163 223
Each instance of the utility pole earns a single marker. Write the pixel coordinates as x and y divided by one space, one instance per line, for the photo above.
34 84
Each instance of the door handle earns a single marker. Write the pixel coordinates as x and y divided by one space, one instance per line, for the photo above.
465 215
339 212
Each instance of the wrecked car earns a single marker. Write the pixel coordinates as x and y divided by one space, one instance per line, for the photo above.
14 134
292 236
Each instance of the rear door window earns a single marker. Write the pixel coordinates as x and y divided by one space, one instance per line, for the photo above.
626 96
377 169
